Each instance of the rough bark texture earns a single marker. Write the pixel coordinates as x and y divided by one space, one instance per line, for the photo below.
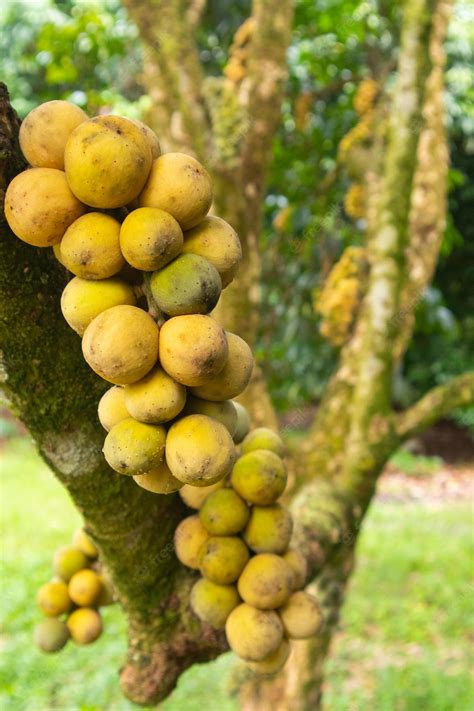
232 120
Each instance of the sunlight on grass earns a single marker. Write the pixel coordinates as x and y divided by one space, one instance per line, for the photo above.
403 644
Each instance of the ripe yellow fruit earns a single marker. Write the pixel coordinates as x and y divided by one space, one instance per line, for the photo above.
85 625
253 634
218 242
180 185
266 581
222 559
112 409
150 238
263 438
45 131
224 412
159 481
224 513
121 344
83 300
243 423
39 206
133 447
189 536
150 136
213 603
67 561
301 616
51 635
85 587
85 543
233 378
259 477
107 161
195 496
299 566
90 248
192 348
188 285
155 398
53 598
269 529
274 662
199 450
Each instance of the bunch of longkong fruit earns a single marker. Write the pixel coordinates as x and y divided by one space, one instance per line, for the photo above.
70 601
149 264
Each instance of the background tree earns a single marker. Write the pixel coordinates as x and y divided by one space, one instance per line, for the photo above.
356 428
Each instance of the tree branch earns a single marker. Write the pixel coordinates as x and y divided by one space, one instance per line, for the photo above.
167 31
437 403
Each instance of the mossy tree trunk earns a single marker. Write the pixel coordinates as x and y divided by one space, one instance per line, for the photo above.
53 392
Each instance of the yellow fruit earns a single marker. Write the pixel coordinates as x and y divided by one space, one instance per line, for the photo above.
199 450
155 398
274 662
299 566
85 625
150 238
112 409
180 185
301 616
259 477
85 587
224 412
224 513
159 481
269 529
253 634
266 581
83 300
189 537
67 561
57 253
90 248
45 131
222 559
150 136
53 598
243 423
213 603
192 349
39 206
107 161
51 635
121 344
233 378
263 438
133 447
194 496
218 242
85 543
188 285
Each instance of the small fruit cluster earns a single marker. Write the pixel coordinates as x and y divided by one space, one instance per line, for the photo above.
70 600
149 264
251 580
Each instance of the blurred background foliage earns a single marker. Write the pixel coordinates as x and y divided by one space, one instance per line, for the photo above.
87 51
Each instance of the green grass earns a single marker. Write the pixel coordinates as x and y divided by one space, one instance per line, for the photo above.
403 644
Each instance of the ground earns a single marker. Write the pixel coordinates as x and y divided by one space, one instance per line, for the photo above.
404 639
